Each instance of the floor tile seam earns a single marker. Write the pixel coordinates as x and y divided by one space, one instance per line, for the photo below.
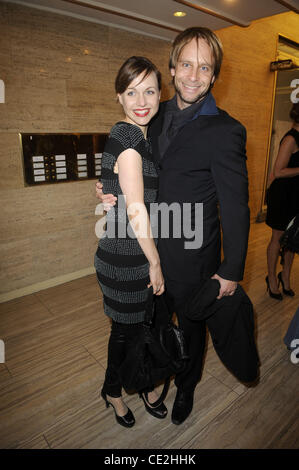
36 395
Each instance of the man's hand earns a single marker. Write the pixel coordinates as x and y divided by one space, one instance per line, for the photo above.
226 287
108 200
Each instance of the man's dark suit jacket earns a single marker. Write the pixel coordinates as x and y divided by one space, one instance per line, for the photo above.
205 163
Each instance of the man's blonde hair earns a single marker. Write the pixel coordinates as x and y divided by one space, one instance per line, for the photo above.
187 35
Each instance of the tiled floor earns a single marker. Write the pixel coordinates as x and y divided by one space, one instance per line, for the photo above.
55 345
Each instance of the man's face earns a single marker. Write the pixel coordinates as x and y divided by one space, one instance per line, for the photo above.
194 72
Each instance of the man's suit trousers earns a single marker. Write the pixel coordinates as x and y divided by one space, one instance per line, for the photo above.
194 332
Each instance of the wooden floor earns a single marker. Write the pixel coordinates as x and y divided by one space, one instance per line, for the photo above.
56 342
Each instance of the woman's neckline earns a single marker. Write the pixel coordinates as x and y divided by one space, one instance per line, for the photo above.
135 125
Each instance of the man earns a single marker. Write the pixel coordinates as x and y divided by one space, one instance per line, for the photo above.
200 152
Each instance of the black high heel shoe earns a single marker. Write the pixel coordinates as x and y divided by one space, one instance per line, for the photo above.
127 421
158 411
289 292
272 294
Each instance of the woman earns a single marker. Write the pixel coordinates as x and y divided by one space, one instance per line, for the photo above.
283 205
127 266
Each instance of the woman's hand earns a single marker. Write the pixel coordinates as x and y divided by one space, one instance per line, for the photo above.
156 279
108 200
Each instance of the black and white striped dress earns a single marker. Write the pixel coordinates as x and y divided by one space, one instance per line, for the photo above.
121 266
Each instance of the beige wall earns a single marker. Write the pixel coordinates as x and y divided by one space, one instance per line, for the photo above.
245 86
47 232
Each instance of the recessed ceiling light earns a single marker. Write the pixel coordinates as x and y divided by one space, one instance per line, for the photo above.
179 13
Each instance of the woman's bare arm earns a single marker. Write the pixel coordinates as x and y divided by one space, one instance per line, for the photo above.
131 183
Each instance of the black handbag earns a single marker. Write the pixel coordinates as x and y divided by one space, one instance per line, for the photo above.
157 354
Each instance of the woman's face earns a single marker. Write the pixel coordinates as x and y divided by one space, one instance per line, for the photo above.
140 101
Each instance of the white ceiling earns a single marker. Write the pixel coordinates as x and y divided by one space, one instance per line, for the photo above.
155 17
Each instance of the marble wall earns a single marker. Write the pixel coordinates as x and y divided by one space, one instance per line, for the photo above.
245 87
59 77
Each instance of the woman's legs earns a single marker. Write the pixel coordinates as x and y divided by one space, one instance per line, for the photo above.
120 339
286 271
272 257
112 386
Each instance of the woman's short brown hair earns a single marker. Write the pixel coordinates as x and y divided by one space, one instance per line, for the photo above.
133 67
294 113
197 32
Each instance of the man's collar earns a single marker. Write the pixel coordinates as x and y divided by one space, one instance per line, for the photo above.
208 107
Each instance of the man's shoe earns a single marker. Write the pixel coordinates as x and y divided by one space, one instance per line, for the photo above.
182 406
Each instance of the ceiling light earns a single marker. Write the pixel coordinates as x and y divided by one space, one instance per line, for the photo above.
179 13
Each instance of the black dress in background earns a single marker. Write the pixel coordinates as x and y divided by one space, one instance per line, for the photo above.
283 194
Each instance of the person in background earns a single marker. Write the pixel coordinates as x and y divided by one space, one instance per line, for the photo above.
126 267
283 206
